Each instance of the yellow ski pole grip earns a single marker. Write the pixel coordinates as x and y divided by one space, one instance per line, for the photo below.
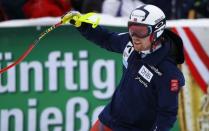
78 19
85 18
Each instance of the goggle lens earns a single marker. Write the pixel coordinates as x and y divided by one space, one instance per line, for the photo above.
140 31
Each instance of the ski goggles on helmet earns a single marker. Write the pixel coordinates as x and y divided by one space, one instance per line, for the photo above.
139 30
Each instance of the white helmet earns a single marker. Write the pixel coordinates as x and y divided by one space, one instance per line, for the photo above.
151 16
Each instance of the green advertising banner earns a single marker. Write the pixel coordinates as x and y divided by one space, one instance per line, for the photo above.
62 85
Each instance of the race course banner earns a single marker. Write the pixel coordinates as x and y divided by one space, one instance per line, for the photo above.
63 84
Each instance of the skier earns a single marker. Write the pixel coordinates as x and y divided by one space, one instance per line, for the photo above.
146 98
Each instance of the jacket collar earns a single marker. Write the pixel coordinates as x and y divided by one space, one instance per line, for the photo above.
157 56
146 52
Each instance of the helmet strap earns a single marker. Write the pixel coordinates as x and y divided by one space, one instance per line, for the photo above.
151 38
154 42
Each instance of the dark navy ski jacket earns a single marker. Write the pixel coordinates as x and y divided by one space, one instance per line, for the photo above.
147 97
